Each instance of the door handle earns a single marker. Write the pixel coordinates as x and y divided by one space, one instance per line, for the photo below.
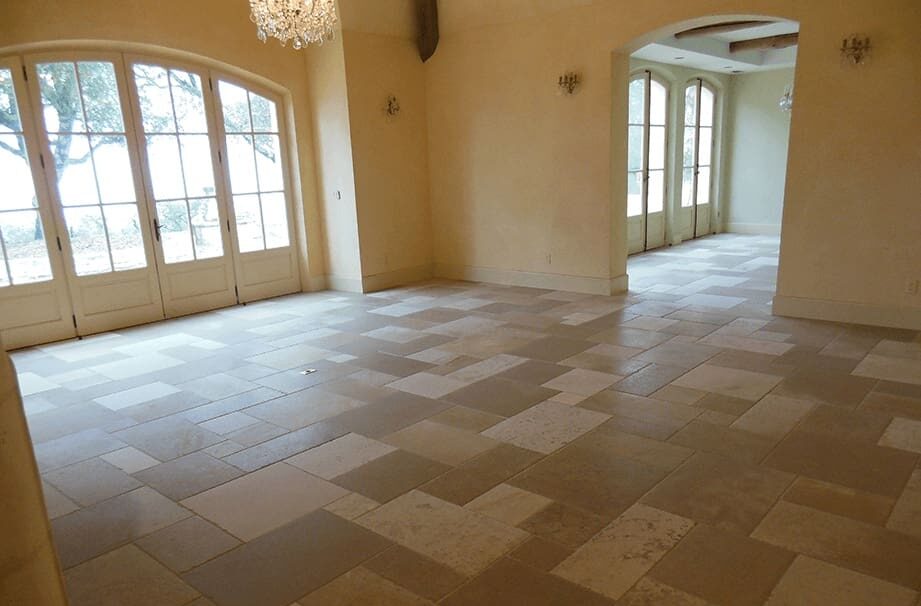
157 229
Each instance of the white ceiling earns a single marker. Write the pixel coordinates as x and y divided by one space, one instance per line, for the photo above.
711 52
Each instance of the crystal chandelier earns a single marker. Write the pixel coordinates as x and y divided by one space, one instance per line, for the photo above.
303 21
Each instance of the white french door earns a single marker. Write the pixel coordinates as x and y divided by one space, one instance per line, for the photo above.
646 162
697 170
91 167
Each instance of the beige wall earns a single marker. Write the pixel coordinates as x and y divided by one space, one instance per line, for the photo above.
756 152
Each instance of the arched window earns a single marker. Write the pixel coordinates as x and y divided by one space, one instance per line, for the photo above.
697 174
646 161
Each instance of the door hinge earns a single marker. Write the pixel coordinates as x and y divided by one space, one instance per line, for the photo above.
228 224
210 85
74 318
220 160
236 292
41 160
25 73
59 243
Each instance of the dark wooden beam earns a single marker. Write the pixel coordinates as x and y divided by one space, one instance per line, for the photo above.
719 28
771 42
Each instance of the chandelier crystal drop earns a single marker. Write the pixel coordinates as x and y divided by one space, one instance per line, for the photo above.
301 21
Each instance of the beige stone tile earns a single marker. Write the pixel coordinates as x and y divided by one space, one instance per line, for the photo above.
727 441
285 493
614 559
508 504
904 434
91 481
361 586
395 334
462 540
678 395
855 545
340 456
546 426
126 576
679 354
729 381
583 382
761 346
773 416
303 408
440 442
187 544
290 357
840 500
890 368
351 506
427 385
56 503
810 581
417 573
569 399
468 419
541 553
653 452
565 525
650 592
906 515
487 368
391 475
474 477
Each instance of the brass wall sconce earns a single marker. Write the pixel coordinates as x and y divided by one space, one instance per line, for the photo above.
569 82
393 106
855 49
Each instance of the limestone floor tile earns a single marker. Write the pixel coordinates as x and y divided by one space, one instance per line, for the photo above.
649 323
89 532
773 416
188 475
500 396
340 456
830 387
462 540
869 549
679 395
229 423
136 395
396 334
218 386
187 544
565 525
289 357
303 408
125 577
602 363
168 438
427 385
614 559
649 592
284 494
810 581
890 368
629 338
389 414
56 503
904 434
906 515
840 500
754 345
351 506
391 475
540 553
476 476
535 372
850 463
729 382
546 427
73 448
508 504
91 481
684 355
714 301
649 380
361 586
129 459
652 452
724 405
440 443
892 405
468 419
845 424
417 573
487 368
582 382
509 582
552 349
668 416
286 564
727 441
721 492
723 567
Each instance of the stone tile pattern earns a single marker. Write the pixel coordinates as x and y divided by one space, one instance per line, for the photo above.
464 443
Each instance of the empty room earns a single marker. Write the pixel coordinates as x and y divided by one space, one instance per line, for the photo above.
460 302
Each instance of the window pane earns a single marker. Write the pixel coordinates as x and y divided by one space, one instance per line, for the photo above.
242 166
687 187
175 235
690 105
76 179
656 183
88 240
706 146
196 160
706 107
206 228
153 90
635 148
689 139
100 97
165 167
268 163
18 191
189 102
110 154
60 100
275 217
9 112
24 239
656 147
124 229
265 119
4 277
637 101
249 223
235 107
657 103
634 194
703 186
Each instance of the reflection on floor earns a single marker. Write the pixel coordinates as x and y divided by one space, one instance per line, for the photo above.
474 444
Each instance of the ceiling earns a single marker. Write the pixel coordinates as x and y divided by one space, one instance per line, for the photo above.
711 52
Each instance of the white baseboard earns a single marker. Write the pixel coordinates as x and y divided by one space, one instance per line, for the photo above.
343 283
532 279
397 277
844 311
753 229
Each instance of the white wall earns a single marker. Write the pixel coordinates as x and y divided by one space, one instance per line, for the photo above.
756 152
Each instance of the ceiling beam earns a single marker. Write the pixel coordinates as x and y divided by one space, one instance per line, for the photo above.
719 28
771 42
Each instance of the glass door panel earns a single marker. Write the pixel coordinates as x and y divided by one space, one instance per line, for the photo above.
698 154
646 162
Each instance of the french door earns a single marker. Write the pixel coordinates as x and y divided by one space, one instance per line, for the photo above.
697 173
646 190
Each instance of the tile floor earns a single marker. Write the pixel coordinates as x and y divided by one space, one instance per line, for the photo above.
475 444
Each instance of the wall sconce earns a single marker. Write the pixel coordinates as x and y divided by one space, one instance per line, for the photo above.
786 100
855 49
393 106
569 82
